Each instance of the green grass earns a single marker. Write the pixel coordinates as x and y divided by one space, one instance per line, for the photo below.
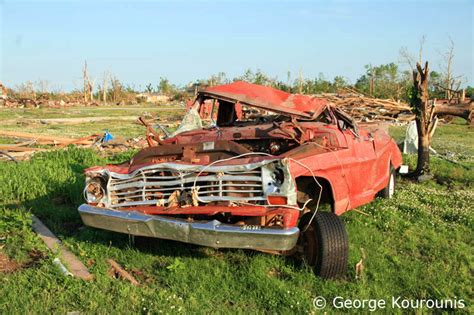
81 111
455 140
417 245
28 119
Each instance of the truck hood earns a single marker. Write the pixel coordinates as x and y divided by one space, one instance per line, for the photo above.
267 98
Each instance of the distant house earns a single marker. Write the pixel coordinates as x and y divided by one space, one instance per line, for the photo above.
152 98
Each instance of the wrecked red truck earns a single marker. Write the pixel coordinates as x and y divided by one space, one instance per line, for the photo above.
272 171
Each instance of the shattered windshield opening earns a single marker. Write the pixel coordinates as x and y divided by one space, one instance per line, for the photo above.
231 114
191 121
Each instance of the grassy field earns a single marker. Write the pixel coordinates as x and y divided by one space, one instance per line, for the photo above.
36 120
418 245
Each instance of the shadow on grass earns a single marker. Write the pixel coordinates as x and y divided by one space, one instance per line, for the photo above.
58 210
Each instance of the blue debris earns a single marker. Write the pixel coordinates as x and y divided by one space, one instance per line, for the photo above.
107 137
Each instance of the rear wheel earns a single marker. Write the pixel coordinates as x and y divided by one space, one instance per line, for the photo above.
324 244
389 190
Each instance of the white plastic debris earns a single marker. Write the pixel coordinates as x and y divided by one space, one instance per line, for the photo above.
410 144
403 169
62 268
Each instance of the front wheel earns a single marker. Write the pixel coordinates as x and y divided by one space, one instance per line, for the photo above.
389 190
324 244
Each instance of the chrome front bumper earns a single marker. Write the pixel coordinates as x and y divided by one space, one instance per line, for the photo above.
211 233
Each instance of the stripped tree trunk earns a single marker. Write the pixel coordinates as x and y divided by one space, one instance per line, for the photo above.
424 116
104 91
86 81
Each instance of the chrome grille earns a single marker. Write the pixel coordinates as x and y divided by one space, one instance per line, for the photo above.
155 186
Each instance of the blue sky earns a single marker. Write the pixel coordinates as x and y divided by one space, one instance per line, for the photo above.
139 42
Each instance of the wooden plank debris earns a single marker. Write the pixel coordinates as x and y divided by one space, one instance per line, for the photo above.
75 266
19 149
42 139
24 149
122 273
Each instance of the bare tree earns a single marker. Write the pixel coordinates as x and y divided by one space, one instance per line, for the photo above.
43 86
409 59
420 53
451 83
104 86
26 90
449 56
116 89
426 121
88 85
300 82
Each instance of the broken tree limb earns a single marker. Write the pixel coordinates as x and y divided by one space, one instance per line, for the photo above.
463 111
122 272
368 109
77 268
89 140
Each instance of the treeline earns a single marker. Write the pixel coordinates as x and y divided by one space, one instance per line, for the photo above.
386 81
383 81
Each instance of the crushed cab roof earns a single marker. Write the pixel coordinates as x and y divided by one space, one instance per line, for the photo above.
267 98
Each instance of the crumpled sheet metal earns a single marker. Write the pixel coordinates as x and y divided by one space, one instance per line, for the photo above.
268 98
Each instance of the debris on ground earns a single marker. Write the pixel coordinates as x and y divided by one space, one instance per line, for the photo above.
42 101
410 144
8 265
76 267
27 144
368 109
47 140
359 267
62 268
116 271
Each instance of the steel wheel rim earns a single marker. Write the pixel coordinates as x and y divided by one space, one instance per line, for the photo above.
391 186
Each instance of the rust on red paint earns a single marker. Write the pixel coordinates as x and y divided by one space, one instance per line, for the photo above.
309 135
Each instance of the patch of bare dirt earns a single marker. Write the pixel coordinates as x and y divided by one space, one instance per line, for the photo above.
7 265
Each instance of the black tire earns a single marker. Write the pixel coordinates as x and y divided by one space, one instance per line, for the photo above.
387 192
325 244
